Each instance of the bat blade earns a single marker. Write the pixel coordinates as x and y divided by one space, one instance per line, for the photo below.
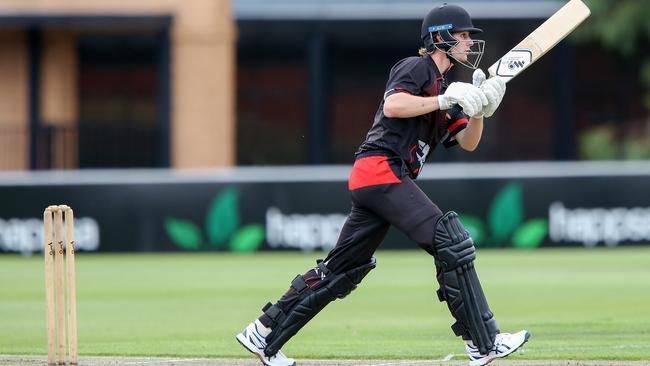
541 40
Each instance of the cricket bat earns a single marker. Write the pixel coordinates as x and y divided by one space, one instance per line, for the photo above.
541 40
536 44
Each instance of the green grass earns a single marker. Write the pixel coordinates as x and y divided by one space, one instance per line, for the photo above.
579 304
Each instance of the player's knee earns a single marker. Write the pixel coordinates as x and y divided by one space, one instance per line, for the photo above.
452 245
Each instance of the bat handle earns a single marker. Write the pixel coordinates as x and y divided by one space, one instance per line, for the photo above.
454 111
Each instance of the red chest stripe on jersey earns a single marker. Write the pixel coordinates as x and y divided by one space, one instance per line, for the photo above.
371 171
456 124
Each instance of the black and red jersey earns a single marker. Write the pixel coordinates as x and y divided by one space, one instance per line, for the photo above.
412 139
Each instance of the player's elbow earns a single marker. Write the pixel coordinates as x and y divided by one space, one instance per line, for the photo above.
391 109
468 147
396 106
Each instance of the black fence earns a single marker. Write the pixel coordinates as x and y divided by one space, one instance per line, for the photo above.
89 145
127 145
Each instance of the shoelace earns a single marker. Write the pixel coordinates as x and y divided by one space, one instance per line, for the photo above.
497 343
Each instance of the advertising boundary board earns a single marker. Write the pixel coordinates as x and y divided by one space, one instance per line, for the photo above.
523 205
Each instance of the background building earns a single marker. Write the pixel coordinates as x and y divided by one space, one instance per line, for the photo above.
209 83
116 84
311 74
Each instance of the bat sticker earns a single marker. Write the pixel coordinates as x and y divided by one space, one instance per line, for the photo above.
513 62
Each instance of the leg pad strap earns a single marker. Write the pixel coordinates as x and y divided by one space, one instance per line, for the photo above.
274 313
311 301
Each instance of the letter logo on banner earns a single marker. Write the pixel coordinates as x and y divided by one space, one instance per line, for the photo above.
302 231
26 235
591 226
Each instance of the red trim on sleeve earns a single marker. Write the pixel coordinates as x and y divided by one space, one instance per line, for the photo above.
370 171
456 124
402 90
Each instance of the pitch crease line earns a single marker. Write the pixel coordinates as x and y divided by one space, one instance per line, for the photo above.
161 361
446 358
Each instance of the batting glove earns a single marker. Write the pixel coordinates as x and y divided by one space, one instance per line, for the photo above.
471 98
494 89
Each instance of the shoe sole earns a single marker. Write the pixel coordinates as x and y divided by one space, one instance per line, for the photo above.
249 347
508 353
246 344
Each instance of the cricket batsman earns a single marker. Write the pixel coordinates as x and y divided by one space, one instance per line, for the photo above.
415 115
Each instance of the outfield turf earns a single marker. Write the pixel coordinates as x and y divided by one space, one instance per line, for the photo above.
579 304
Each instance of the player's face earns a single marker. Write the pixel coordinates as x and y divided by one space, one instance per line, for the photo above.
463 46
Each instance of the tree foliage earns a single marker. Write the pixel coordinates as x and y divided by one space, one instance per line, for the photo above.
622 26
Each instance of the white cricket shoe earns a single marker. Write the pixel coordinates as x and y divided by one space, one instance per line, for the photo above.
504 344
252 340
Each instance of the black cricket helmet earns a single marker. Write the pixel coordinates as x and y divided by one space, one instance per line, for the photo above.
444 20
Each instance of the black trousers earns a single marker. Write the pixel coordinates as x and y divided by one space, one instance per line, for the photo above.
375 207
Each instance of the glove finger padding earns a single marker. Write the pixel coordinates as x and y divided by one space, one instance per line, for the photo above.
501 83
479 100
491 93
497 84
451 96
483 97
469 106
494 89
469 97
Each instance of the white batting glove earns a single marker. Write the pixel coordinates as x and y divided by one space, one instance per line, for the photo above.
469 97
494 89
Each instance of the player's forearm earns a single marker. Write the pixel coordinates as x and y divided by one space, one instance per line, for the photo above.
403 105
469 138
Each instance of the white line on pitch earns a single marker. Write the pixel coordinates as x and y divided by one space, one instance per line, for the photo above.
446 358
176 360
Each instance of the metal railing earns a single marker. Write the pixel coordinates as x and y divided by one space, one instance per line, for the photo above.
88 145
